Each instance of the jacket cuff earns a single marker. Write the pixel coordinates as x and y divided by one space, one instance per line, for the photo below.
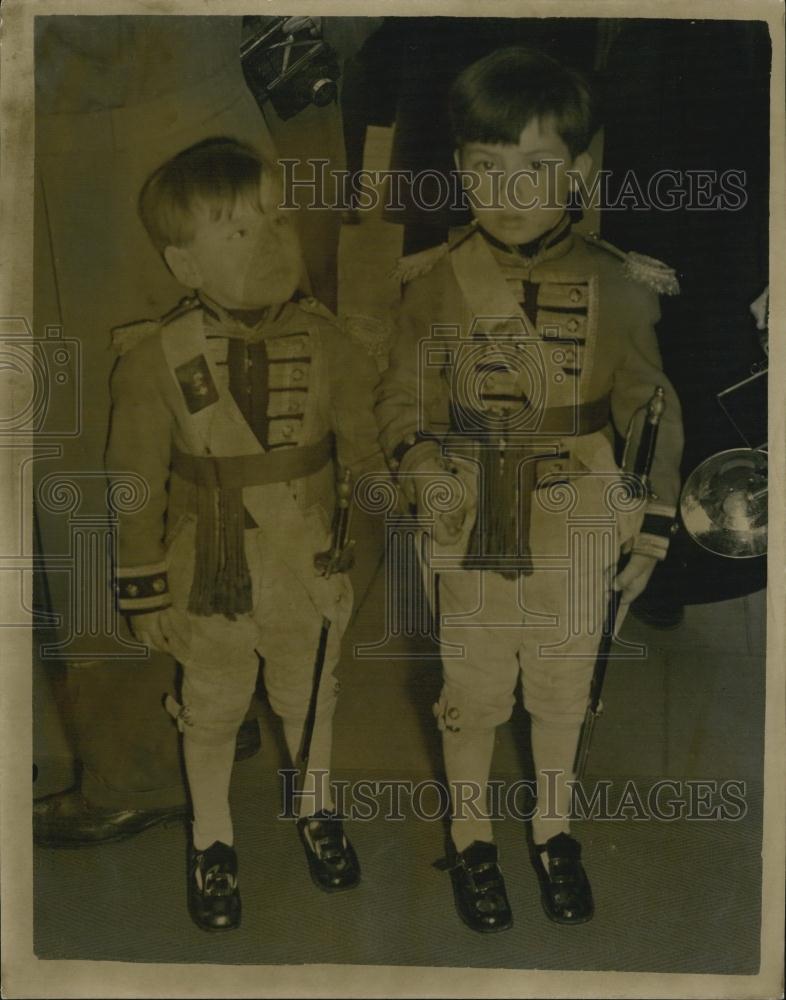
408 455
658 526
142 589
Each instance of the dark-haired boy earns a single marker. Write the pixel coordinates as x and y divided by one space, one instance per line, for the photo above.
538 341
231 409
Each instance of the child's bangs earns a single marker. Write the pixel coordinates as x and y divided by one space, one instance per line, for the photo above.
491 121
219 196
501 121
209 180
495 99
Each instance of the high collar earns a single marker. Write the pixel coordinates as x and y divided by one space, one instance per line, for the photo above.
248 324
555 242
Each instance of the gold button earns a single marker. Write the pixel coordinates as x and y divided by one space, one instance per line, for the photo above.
453 713
159 585
297 375
132 590
286 430
572 325
574 295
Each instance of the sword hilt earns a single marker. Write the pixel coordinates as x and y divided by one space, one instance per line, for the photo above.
645 454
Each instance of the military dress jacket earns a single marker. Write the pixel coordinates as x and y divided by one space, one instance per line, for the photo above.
314 398
591 332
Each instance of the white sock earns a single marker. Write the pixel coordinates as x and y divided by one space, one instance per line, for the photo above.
313 793
553 750
209 771
467 754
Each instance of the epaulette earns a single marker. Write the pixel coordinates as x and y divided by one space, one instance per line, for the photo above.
311 305
184 306
414 265
648 270
127 336
370 332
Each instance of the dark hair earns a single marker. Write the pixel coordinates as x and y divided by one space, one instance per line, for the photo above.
214 174
495 98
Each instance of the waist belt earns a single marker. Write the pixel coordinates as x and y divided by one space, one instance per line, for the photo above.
262 469
573 421
586 418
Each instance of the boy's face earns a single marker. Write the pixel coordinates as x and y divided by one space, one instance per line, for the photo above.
514 206
244 260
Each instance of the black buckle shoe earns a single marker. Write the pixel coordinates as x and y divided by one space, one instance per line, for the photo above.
331 857
565 890
66 819
213 895
478 887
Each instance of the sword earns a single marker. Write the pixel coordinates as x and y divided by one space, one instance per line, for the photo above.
641 470
337 559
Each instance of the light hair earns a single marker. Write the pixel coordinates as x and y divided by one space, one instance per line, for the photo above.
212 176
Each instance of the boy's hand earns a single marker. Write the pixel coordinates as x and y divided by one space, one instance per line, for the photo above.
635 577
168 630
441 475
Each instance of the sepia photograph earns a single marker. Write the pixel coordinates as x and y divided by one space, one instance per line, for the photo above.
387 420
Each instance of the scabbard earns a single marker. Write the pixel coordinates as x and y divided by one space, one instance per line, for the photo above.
598 677
585 741
641 471
311 715
328 563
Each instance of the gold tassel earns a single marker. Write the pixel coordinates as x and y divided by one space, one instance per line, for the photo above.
222 581
496 530
233 581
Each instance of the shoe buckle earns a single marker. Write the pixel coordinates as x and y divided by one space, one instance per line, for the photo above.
219 882
330 839
487 885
